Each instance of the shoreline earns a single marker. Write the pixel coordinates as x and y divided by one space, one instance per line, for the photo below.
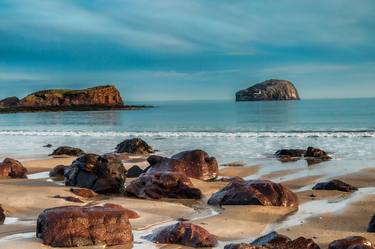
230 224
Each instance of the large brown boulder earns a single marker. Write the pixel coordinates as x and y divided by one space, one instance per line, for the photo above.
2 215
74 226
163 185
335 185
68 151
272 89
12 168
354 242
254 192
195 163
185 234
103 174
276 241
134 146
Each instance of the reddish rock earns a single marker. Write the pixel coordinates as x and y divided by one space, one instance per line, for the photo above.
68 198
163 185
335 185
83 192
2 215
103 174
196 164
185 234
254 192
58 171
355 242
134 146
74 226
12 168
67 151
244 246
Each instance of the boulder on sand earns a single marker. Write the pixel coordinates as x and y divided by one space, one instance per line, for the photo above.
354 242
195 164
134 146
184 234
335 185
254 192
74 226
274 240
163 185
272 89
12 168
58 171
83 192
67 151
103 174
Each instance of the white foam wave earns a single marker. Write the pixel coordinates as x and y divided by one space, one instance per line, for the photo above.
196 134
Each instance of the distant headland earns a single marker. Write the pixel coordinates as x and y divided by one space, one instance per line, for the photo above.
272 89
106 97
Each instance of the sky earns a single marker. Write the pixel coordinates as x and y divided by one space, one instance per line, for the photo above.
186 50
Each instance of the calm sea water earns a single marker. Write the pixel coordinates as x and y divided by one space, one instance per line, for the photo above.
245 131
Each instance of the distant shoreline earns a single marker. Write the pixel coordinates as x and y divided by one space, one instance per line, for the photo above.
29 109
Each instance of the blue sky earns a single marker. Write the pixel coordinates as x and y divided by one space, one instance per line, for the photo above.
191 49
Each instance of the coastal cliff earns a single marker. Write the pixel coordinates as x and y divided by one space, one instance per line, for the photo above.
94 98
272 89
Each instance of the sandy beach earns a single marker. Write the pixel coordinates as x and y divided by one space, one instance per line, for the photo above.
326 216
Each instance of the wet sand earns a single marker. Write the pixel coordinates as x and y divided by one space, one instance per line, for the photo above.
326 216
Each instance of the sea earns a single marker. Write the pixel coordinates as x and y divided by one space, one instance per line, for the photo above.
246 132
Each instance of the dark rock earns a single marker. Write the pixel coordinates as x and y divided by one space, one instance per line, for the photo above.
271 239
134 171
277 241
196 164
185 234
2 215
74 226
134 146
269 90
58 171
83 192
103 174
47 146
68 198
167 185
289 155
317 153
68 151
355 242
371 225
12 168
254 192
10 101
335 185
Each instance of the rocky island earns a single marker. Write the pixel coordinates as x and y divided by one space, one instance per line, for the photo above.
272 89
105 97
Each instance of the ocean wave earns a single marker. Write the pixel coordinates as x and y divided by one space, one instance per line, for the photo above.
197 134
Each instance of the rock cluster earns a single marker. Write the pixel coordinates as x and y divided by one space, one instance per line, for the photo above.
134 146
254 192
354 242
103 174
73 226
195 164
185 234
272 89
163 185
311 154
67 151
12 168
276 241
